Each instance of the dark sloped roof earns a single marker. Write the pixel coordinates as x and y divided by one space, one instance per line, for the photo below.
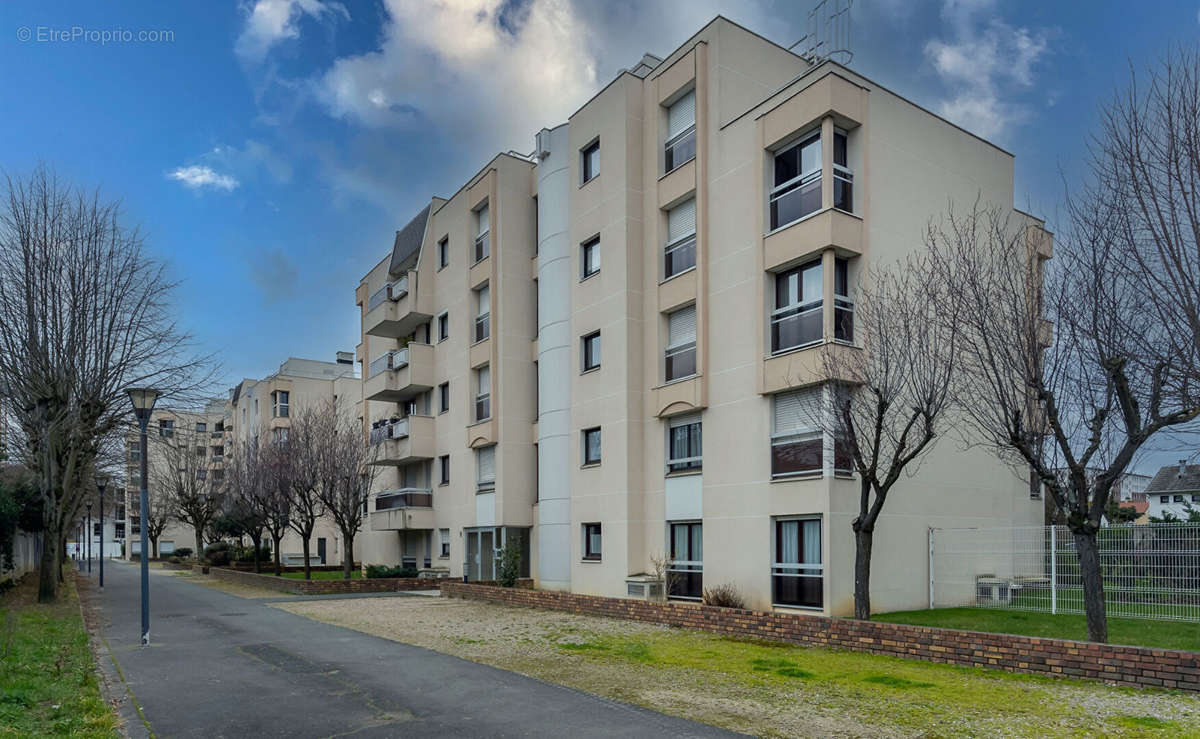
1168 479
408 243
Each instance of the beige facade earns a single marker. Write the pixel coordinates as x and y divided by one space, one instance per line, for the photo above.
686 246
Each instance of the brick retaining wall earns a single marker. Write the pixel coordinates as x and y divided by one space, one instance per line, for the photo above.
324 587
1133 666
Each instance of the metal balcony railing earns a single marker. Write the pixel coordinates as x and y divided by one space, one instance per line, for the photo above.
393 429
404 498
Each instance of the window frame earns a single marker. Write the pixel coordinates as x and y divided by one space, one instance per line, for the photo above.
590 529
679 244
589 169
588 354
483 396
481 245
586 249
444 397
443 252
690 568
693 424
444 469
777 565
444 542
798 306
671 351
485 485
805 179
585 435
443 326
790 438
483 320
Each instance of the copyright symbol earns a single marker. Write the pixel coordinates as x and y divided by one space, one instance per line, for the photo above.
24 34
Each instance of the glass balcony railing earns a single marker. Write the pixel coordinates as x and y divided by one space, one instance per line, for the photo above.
679 150
396 428
795 327
679 256
404 498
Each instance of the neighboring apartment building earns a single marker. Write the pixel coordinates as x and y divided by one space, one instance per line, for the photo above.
267 407
1129 487
610 349
1173 490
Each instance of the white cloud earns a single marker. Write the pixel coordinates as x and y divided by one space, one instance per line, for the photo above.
198 177
986 64
270 21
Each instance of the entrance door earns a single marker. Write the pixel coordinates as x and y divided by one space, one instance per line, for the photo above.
471 566
487 555
321 549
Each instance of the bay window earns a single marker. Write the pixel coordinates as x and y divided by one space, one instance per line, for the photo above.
797 573
796 183
684 450
680 354
843 306
680 251
843 178
680 147
685 576
797 319
797 438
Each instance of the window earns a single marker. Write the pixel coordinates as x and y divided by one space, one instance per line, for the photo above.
591 446
683 443
797 572
443 397
796 320
680 354
443 327
444 536
1196 498
218 475
443 252
201 451
483 393
444 469
796 187
591 351
591 541
281 435
218 451
1164 499
1178 499
482 246
166 427
686 573
279 403
843 178
843 306
201 474
680 147
483 312
485 469
680 251
797 442
201 427
590 258
590 159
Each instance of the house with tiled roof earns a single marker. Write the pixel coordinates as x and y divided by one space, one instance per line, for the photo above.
1174 489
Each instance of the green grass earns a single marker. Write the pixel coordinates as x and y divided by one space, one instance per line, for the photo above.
48 682
1130 631
906 695
325 575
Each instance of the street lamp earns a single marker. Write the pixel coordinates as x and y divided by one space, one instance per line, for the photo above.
89 537
101 483
143 399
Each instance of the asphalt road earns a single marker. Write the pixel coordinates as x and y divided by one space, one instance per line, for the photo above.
223 666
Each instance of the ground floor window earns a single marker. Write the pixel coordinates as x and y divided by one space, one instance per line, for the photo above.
797 574
485 548
686 574
592 541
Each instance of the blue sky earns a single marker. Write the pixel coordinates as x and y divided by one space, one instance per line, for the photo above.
270 148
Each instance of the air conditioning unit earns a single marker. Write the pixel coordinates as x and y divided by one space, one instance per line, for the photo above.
643 587
541 148
990 590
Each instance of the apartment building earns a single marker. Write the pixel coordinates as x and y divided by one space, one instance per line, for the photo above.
267 406
611 349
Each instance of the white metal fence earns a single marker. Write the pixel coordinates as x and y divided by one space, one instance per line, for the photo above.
1150 570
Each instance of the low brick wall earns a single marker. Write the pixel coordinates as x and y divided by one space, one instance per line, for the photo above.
324 587
1132 666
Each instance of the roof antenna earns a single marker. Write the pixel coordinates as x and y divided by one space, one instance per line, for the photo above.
828 34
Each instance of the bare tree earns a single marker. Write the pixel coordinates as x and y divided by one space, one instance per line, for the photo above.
344 481
180 469
245 501
84 313
1114 373
888 400
303 466
274 498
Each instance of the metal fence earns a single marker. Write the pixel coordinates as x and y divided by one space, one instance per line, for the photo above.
1150 570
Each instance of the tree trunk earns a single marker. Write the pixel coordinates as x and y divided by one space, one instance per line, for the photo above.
863 540
255 540
307 566
275 551
154 548
1093 585
347 555
199 545
50 564
59 558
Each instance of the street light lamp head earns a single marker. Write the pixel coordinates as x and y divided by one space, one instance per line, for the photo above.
143 399
101 483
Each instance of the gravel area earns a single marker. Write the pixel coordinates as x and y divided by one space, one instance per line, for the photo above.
636 663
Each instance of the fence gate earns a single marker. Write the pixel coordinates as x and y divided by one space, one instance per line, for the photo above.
1150 570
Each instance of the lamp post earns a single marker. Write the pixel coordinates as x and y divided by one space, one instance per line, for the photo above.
89 537
143 399
101 483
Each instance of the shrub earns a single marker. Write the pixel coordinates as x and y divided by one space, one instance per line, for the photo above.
217 553
510 567
175 560
724 596
246 554
378 571
183 552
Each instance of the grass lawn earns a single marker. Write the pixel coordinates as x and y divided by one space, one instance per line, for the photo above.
1131 631
763 688
48 682
324 575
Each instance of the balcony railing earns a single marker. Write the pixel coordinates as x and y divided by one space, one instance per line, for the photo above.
843 318
679 256
396 428
680 150
483 407
393 360
482 247
483 326
796 326
680 362
843 188
404 498
795 199
390 291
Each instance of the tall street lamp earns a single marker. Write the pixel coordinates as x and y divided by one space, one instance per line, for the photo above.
143 399
101 483
89 537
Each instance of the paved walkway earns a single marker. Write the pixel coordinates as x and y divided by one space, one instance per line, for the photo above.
223 666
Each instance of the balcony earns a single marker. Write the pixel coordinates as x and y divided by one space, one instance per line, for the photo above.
407 508
399 441
400 375
396 309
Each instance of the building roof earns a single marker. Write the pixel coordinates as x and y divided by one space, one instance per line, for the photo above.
1176 478
408 243
1141 506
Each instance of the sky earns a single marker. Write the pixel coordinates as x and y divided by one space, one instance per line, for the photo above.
269 149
